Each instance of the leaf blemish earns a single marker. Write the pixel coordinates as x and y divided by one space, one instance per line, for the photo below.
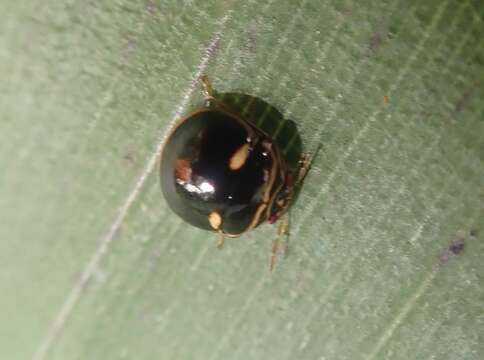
466 97
457 245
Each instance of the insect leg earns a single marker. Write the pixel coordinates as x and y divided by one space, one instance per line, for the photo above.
220 240
282 230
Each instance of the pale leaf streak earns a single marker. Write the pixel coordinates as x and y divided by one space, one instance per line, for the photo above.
421 162
341 273
237 64
241 314
410 303
73 297
425 342
336 280
200 257
276 51
91 125
168 284
341 161
348 87
295 99
426 282
275 55
283 39
413 239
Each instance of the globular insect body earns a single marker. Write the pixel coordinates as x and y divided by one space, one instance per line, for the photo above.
232 164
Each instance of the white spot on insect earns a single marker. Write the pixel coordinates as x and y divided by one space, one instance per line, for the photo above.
190 188
207 187
204 188
237 160
215 220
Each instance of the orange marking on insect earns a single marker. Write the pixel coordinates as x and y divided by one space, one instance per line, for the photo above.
238 159
183 170
215 220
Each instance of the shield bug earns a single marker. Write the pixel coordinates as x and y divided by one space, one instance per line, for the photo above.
232 165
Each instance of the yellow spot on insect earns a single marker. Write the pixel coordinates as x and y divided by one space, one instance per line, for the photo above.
237 160
215 220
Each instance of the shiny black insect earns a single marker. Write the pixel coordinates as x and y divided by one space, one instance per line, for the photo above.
231 165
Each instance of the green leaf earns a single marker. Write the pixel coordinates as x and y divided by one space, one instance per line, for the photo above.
385 253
